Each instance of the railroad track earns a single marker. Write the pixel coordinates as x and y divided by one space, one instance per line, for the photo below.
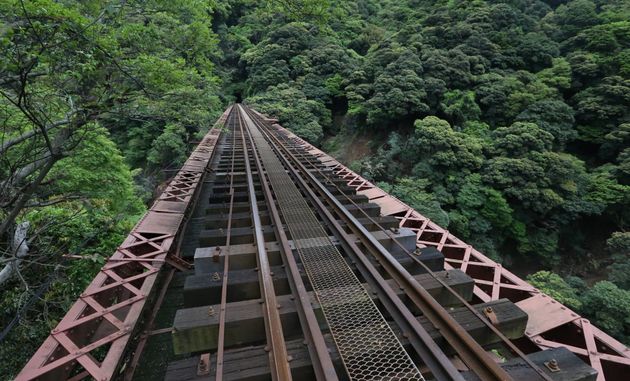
284 272
309 282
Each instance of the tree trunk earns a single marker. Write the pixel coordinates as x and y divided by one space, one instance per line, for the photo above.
25 196
19 248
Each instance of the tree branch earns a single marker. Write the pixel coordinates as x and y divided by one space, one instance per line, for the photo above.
27 135
20 250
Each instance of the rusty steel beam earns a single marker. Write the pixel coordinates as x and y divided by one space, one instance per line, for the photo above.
551 324
91 339
226 268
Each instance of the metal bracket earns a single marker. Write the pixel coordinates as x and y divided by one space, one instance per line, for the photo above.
217 254
491 315
178 263
203 367
553 366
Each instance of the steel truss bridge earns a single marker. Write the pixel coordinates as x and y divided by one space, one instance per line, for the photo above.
265 258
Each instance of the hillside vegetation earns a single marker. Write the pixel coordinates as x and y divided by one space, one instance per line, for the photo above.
506 122
96 99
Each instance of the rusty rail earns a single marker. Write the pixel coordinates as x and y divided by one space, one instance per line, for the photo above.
469 350
370 242
226 265
431 354
318 351
487 320
279 363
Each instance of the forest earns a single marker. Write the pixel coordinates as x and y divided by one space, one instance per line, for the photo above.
505 121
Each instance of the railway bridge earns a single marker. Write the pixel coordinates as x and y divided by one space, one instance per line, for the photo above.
266 259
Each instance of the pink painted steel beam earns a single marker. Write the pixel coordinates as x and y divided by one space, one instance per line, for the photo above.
107 312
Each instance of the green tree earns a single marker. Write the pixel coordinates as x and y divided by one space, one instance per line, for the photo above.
493 93
398 91
574 16
623 169
602 107
609 307
618 245
553 285
537 51
169 148
81 82
559 75
442 150
552 116
303 116
481 211
97 171
615 141
90 206
460 106
304 10
520 139
414 192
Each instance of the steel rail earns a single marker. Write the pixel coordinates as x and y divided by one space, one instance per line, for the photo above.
318 351
226 262
471 308
441 367
279 364
473 355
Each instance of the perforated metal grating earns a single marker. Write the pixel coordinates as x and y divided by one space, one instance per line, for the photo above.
368 347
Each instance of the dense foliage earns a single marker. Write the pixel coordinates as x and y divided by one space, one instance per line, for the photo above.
511 116
96 98
516 107
505 121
